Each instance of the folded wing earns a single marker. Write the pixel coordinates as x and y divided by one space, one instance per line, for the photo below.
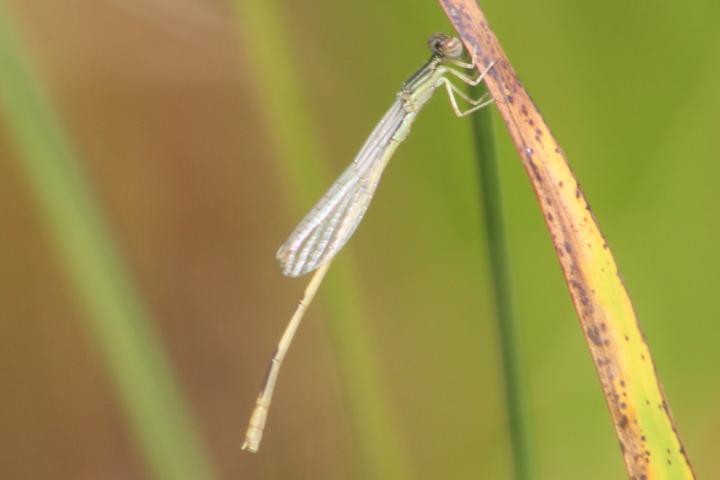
333 220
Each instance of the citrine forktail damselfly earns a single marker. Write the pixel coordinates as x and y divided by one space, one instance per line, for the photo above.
332 221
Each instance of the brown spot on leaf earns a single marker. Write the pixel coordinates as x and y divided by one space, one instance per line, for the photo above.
535 170
580 289
594 336
623 422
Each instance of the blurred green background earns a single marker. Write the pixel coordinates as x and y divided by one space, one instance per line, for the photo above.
185 117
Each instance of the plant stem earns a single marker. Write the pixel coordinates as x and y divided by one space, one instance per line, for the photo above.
500 272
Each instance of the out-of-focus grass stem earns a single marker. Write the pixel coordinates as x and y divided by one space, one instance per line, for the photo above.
114 313
490 193
302 167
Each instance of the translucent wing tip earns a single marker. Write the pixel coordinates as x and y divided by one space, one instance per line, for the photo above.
287 261
283 256
291 265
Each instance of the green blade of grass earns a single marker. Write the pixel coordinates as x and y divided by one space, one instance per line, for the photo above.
115 315
491 199
301 166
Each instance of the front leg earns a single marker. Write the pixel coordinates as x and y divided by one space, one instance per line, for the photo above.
477 103
469 80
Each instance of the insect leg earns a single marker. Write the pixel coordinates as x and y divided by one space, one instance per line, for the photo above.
452 90
469 80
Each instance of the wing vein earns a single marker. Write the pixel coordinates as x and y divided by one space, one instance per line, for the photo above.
333 220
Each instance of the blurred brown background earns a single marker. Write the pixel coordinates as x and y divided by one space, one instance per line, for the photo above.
164 104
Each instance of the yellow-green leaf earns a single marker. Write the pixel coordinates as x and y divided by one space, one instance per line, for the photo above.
649 441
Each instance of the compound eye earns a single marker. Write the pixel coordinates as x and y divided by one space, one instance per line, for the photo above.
452 47
436 43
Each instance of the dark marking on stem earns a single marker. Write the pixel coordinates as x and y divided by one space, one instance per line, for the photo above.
623 422
594 335
535 169
585 301
682 452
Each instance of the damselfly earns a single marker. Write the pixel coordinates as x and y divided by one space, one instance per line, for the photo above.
332 221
